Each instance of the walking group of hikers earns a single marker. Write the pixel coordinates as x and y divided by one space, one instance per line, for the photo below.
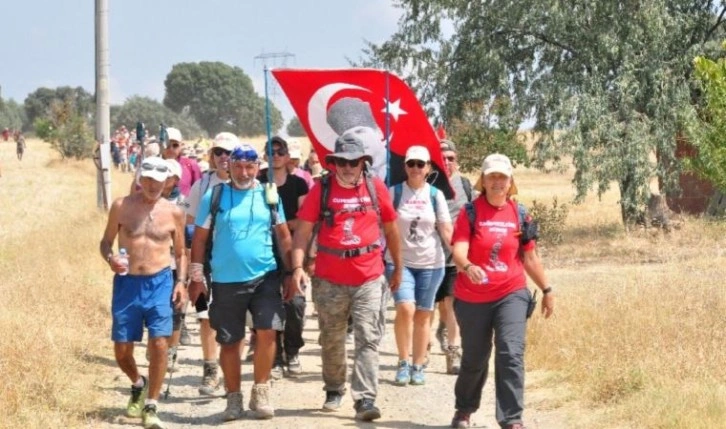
253 242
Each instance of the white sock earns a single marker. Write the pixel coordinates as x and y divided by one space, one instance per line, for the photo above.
153 402
140 382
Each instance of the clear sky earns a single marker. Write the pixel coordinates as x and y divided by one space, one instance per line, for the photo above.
51 43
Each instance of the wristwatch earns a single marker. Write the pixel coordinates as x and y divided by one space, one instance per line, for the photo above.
546 290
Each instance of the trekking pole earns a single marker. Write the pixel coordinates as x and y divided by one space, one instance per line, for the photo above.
171 374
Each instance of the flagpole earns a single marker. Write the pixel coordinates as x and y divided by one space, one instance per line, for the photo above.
388 136
268 129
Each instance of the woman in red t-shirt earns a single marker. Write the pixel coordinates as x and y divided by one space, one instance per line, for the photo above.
491 295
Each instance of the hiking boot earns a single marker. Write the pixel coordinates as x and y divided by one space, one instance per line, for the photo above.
171 355
260 405
210 379
150 419
461 420
185 339
235 409
417 375
277 371
442 337
332 401
366 410
453 360
403 374
294 367
135 406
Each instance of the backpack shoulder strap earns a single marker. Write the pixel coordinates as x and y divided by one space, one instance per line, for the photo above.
397 194
433 193
206 180
213 210
521 213
466 184
471 215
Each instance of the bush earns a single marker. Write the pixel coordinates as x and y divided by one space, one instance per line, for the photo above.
551 220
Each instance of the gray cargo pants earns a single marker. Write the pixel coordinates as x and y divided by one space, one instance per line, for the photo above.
364 303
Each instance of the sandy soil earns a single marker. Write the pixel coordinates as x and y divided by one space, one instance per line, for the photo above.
298 400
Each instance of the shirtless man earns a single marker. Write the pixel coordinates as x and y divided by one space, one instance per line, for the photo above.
146 225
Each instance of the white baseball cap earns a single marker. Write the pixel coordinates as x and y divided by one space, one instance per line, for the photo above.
418 153
226 141
174 134
155 168
497 163
174 168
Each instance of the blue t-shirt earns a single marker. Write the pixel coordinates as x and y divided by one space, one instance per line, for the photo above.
242 249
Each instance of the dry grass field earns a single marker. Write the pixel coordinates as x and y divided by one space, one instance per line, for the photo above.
638 339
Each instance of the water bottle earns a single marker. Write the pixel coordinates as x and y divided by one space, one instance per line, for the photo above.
123 258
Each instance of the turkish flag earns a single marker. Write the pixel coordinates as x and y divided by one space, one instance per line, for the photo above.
386 110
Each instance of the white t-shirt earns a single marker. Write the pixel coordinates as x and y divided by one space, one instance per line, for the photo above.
208 181
420 241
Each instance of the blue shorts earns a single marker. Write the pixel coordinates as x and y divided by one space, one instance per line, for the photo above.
418 285
142 299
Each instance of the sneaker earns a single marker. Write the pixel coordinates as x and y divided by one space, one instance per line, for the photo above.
210 379
294 367
417 375
461 420
185 339
366 410
235 409
135 406
150 419
442 337
260 405
277 371
332 401
403 374
171 355
453 360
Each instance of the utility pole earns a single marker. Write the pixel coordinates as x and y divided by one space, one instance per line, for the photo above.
273 59
103 114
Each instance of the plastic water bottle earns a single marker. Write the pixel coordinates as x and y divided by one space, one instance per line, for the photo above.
123 258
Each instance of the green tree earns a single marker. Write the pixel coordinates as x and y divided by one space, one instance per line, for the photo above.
220 97
152 114
607 84
38 103
12 115
294 128
66 130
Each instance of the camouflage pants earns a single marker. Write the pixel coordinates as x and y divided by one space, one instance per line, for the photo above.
365 303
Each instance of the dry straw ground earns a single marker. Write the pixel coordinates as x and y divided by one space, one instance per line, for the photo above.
638 339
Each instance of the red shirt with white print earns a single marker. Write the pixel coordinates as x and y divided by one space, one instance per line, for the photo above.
355 225
494 247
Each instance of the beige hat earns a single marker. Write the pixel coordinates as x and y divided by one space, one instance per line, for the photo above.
496 163
226 141
418 153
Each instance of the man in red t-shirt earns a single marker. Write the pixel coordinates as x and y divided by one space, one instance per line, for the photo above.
348 277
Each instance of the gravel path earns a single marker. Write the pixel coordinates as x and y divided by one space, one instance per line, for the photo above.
297 401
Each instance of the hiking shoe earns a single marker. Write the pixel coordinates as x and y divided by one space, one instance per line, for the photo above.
332 401
135 406
417 375
210 379
260 405
235 409
277 371
403 374
366 410
294 367
150 419
171 355
442 337
185 339
453 360
461 420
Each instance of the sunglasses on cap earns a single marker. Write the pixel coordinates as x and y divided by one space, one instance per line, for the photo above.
240 154
218 151
340 162
147 166
415 163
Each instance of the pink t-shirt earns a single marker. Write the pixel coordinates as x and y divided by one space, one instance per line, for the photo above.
494 247
353 228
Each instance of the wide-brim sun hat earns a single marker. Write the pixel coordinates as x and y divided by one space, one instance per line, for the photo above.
348 146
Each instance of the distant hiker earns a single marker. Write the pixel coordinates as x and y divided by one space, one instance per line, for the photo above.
143 292
493 247
354 212
293 163
249 253
19 145
292 190
173 150
6 134
219 153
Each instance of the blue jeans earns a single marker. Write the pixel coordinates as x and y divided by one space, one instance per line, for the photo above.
418 285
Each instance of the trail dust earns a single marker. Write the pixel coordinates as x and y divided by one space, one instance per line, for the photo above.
298 401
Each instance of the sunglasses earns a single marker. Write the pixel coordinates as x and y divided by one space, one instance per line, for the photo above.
340 162
218 151
415 163
450 158
175 145
279 152
239 154
160 168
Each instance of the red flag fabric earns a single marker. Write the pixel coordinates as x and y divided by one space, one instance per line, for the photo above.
375 102
441 132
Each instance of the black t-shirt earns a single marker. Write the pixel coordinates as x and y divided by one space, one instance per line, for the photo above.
293 188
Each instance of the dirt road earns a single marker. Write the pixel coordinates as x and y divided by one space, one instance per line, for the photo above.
297 401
